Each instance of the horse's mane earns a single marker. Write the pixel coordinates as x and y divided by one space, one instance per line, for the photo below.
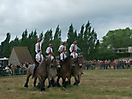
76 60
66 59
44 61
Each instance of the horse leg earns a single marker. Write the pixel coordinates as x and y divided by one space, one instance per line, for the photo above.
78 80
35 79
75 83
69 80
42 85
38 84
58 84
49 82
79 77
27 80
53 82
64 82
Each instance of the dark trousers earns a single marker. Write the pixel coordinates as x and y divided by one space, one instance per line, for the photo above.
59 54
61 63
36 65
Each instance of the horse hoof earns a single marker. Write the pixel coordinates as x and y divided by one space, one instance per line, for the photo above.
43 89
58 85
49 86
75 84
26 86
53 85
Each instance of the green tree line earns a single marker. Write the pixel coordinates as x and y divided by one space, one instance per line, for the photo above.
86 38
116 39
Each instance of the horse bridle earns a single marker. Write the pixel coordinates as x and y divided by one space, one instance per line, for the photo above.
80 64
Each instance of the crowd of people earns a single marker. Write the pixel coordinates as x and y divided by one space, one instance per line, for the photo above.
123 63
13 69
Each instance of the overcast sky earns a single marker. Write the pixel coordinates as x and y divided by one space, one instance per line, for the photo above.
104 15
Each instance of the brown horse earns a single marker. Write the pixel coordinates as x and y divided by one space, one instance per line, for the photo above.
41 73
77 69
52 72
65 71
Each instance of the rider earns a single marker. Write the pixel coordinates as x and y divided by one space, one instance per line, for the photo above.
38 45
73 50
73 47
49 51
38 59
62 52
74 54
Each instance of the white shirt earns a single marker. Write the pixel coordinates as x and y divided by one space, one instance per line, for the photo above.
62 56
62 48
72 47
50 56
74 54
36 45
49 50
39 57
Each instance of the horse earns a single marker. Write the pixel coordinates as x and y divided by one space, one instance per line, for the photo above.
52 72
77 69
41 73
29 73
65 71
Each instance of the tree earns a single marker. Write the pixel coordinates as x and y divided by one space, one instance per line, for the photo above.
80 37
72 35
15 42
32 39
57 40
5 46
120 38
47 40
86 40
24 40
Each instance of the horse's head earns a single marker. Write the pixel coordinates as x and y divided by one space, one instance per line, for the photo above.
79 60
54 63
48 61
71 61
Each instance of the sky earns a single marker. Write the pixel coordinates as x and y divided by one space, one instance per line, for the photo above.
42 15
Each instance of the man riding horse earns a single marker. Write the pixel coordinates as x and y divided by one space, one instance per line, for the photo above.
78 60
38 59
62 53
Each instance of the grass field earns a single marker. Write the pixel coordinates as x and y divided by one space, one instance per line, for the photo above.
95 84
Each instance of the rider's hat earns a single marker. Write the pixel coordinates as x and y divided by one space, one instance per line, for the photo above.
38 40
64 43
50 44
75 42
